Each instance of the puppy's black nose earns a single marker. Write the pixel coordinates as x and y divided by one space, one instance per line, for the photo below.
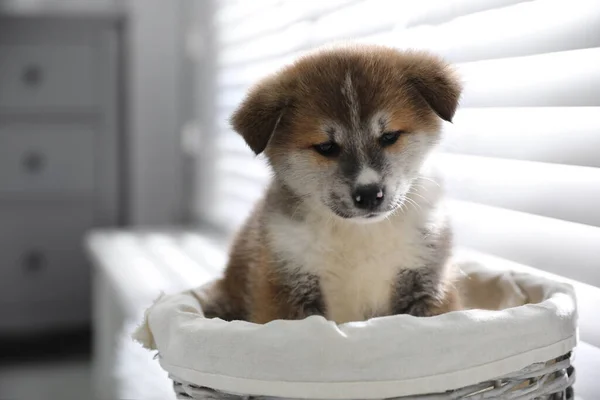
368 197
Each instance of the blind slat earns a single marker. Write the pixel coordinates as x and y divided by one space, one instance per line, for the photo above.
241 187
230 142
243 165
231 14
568 78
565 28
557 191
280 16
561 135
560 247
573 79
439 11
311 23
248 74
301 26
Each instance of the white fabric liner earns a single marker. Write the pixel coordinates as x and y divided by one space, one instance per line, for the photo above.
383 357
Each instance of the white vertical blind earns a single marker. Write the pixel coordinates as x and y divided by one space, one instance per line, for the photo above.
522 159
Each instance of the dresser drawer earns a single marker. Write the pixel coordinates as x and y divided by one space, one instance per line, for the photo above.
47 76
37 159
35 316
41 255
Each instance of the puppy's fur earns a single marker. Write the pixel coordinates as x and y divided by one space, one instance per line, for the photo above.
311 247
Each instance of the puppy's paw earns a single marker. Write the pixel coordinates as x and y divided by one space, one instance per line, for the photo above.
422 293
420 307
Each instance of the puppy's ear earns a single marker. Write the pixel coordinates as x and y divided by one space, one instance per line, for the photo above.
437 83
261 113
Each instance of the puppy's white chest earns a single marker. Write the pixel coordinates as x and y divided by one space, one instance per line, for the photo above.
358 273
357 289
357 266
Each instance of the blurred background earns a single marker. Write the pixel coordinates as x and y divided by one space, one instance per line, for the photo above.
121 178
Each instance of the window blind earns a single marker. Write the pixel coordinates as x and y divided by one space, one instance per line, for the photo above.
522 159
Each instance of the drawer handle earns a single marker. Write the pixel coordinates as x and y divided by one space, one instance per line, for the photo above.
33 261
33 162
32 75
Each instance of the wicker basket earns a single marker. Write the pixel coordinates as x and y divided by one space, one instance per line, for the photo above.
551 380
202 367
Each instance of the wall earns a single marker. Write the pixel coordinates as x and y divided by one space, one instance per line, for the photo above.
154 49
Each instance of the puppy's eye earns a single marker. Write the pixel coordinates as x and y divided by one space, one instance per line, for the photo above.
327 149
389 138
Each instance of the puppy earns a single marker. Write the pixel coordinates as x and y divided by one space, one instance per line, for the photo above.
351 226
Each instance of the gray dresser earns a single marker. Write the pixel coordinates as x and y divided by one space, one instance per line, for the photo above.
60 161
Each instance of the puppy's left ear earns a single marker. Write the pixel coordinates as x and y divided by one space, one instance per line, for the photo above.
437 83
261 113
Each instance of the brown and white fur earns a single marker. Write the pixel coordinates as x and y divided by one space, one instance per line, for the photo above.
351 226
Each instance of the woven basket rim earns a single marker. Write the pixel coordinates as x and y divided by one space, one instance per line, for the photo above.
536 381
230 351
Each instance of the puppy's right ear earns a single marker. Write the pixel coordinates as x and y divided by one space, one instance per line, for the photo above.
261 113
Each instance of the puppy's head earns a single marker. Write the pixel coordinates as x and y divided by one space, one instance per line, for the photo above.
349 128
